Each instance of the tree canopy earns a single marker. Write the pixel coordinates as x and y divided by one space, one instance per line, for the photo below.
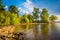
13 9
36 13
2 6
11 16
44 15
53 17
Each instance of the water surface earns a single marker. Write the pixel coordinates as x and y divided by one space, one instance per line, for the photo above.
36 31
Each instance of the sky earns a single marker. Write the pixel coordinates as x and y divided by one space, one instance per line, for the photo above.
53 6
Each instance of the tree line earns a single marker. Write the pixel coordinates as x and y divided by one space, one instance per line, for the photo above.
11 16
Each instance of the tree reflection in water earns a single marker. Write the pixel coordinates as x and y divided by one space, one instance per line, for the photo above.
54 34
53 27
45 30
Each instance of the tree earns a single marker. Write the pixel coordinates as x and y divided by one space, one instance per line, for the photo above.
13 9
24 18
7 21
1 6
2 17
36 13
10 17
44 15
5 18
25 15
30 17
53 18
14 19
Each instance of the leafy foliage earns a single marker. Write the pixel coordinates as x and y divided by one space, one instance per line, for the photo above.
36 13
11 16
2 17
13 9
1 6
25 19
14 19
44 15
30 17
53 17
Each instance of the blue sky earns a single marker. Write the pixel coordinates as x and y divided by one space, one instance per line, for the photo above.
53 6
23 6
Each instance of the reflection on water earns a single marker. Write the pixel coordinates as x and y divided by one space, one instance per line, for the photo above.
45 30
35 31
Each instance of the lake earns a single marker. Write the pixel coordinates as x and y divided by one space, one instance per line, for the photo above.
35 31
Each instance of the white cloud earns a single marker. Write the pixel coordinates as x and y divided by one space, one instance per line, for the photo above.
6 7
27 12
21 10
41 10
28 5
58 16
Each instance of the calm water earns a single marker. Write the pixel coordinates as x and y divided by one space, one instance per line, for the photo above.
37 31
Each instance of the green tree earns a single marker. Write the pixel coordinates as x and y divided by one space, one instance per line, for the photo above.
36 13
7 21
24 18
10 17
30 17
14 19
1 6
13 9
25 15
44 15
7 18
2 17
53 17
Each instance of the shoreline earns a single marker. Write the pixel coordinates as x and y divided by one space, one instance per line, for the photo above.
26 24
